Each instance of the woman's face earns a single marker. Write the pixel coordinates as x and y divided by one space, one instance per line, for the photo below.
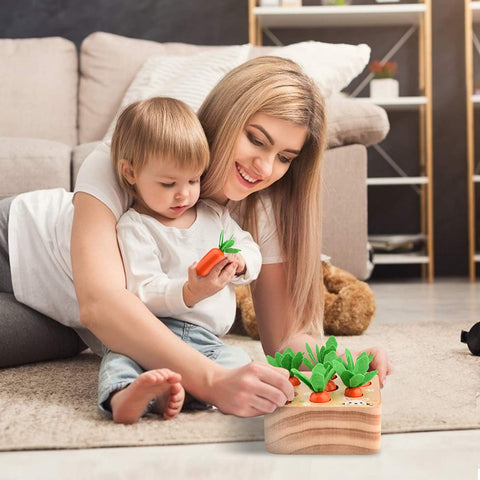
262 155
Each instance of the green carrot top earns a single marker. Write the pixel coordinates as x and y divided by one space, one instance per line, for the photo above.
226 245
354 374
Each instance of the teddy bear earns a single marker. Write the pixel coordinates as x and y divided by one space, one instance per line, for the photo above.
348 310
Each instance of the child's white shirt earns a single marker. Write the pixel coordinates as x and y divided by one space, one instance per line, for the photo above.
156 260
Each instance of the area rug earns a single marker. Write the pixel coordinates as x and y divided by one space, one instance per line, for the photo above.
435 386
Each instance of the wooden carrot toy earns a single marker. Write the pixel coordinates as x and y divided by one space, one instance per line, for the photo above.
215 255
340 424
289 361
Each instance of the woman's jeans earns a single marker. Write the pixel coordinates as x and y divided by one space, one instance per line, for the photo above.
118 371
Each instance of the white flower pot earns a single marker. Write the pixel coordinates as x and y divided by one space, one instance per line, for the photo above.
384 88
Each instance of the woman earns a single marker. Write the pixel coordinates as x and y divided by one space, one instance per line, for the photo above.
265 122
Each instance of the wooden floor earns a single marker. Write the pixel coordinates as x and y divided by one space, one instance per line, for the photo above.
438 455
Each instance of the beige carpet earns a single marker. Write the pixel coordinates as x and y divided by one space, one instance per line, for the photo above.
436 386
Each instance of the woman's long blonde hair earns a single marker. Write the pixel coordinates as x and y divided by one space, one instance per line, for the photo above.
277 87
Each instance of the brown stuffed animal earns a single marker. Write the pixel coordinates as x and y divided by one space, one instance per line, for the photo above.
349 304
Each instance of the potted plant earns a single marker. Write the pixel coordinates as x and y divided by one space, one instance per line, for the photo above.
321 374
354 375
383 85
288 360
325 355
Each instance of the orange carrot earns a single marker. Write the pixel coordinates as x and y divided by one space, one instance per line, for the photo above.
353 392
331 386
319 397
215 255
294 381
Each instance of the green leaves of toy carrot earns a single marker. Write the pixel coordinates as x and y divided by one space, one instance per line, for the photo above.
288 360
325 355
226 246
321 374
355 374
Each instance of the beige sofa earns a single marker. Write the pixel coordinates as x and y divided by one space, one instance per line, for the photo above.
54 111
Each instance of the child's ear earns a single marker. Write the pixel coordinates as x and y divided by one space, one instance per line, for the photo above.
127 171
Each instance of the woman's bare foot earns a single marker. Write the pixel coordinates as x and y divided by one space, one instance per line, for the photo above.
163 385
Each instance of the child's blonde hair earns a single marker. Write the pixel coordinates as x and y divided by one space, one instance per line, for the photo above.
277 87
160 127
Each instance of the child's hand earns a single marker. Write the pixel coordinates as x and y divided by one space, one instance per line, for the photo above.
239 262
197 287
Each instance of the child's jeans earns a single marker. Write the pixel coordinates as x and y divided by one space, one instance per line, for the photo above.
118 371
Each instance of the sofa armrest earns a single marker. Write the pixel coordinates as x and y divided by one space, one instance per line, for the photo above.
344 206
351 121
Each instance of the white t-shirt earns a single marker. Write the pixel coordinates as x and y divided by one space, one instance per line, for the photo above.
39 234
156 259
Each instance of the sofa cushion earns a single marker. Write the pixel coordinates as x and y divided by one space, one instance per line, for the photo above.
332 66
351 121
109 64
31 164
187 78
38 94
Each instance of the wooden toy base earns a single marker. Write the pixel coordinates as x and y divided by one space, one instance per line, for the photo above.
342 426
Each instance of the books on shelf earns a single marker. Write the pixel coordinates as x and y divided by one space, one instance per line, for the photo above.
397 243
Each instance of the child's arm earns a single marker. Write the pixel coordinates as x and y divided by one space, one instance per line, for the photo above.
248 261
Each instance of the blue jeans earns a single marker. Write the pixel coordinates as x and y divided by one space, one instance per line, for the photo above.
118 371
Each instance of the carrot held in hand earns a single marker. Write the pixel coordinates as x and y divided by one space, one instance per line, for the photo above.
215 255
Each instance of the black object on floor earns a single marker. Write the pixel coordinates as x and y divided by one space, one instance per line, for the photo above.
472 339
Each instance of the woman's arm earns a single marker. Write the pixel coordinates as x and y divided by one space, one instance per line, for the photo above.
273 312
121 321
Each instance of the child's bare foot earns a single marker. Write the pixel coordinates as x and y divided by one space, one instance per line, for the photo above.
163 385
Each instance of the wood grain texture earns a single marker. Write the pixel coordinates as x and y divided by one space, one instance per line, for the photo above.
341 426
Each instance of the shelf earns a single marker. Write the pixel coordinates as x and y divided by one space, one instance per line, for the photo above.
416 18
400 258
340 16
397 181
475 7
399 103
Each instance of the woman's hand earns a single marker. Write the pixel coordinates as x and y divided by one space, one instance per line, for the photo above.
381 363
251 390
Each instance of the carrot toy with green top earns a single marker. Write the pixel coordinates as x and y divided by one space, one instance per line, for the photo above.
215 255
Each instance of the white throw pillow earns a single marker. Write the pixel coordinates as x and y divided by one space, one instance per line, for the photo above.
189 78
332 66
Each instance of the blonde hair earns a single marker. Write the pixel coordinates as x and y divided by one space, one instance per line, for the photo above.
160 127
279 88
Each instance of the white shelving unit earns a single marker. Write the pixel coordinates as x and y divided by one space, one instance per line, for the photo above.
339 16
472 17
416 17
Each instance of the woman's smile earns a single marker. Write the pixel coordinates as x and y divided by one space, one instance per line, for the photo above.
246 176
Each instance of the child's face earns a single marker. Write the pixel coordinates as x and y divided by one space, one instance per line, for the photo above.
166 189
